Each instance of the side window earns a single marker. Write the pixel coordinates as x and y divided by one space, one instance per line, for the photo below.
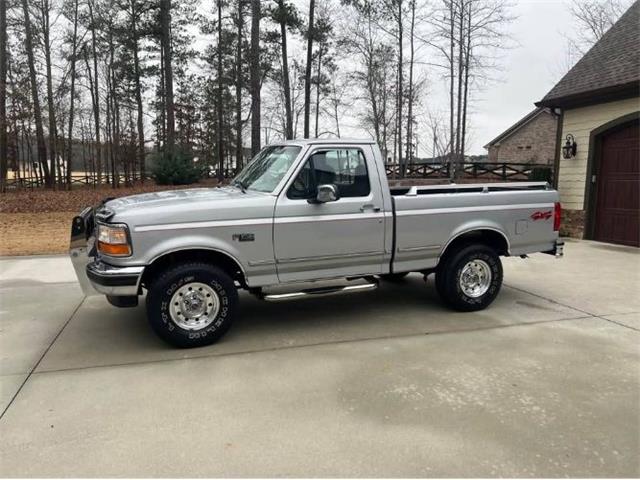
346 168
303 186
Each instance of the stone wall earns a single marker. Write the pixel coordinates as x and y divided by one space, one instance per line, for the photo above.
572 223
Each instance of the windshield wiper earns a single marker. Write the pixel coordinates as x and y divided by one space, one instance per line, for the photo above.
238 183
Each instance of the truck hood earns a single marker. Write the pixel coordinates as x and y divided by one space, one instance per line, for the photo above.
193 204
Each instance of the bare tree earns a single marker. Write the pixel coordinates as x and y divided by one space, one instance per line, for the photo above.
72 93
593 19
469 35
37 112
165 23
44 7
254 74
239 79
410 119
219 146
308 65
3 95
286 16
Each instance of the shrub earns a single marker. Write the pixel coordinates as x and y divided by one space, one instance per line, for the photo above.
541 174
175 169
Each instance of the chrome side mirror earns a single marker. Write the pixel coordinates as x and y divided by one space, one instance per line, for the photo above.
327 193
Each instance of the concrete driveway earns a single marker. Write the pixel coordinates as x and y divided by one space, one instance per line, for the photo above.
544 383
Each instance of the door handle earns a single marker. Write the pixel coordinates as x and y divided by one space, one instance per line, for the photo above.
369 206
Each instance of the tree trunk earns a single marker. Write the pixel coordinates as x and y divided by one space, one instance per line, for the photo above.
318 90
37 112
254 74
307 73
53 134
4 150
165 20
459 160
219 149
239 150
138 92
95 97
288 130
465 97
400 94
410 108
72 93
452 166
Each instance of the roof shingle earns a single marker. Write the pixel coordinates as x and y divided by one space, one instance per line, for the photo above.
611 65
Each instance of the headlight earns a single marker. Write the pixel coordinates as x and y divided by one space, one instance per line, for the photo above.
114 240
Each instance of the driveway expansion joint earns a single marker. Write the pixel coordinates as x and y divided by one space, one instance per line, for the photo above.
308 345
31 372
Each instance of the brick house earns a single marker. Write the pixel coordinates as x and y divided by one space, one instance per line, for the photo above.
530 140
597 155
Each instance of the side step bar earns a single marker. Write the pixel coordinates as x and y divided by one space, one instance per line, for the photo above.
320 292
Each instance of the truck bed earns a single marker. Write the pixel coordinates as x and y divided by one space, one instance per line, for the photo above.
428 218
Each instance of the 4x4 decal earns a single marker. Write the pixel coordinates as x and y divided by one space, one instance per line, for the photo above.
539 215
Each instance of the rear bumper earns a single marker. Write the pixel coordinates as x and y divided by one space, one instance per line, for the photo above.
558 249
95 276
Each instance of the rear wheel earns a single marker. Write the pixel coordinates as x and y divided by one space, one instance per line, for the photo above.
470 278
191 305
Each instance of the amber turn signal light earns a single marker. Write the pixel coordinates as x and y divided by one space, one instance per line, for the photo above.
114 250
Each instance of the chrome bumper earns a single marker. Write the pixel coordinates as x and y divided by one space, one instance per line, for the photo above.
95 276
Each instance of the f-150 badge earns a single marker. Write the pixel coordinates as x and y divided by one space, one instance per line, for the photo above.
243 237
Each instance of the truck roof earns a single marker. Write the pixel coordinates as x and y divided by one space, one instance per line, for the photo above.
323 141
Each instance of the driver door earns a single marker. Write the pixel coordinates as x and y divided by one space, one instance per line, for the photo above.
334 239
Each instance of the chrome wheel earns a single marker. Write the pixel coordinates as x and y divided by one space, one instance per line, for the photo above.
194 306
475 278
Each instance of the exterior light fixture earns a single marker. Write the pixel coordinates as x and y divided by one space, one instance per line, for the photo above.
570 147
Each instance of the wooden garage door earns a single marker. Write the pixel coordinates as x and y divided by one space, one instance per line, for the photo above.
618 183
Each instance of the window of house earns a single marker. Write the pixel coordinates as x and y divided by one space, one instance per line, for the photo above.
346 168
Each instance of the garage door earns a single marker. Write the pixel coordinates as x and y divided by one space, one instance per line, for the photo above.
618 184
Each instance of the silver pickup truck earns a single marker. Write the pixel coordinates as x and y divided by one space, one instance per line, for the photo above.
304 218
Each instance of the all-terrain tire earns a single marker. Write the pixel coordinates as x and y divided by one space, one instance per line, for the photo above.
162 289
450 271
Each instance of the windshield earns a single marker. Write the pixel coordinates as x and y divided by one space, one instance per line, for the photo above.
267 168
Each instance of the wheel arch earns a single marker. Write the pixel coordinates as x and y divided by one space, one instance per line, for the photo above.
490 236
227 262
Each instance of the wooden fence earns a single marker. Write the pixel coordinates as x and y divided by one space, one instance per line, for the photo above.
488 171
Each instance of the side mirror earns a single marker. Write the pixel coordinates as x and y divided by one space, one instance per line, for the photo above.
327 193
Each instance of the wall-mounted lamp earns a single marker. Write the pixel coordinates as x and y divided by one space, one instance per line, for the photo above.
570 147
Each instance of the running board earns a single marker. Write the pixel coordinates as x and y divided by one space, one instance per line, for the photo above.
320 292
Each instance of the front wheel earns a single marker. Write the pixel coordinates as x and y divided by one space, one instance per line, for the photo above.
470 279
191 305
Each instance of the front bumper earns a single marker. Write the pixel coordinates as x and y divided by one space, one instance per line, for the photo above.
94 275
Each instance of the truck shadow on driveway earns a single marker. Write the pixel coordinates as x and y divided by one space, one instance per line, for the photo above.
100 335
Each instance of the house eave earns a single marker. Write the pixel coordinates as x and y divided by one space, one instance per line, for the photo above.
593 97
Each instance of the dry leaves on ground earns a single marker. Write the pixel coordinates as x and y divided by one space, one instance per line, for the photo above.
35 233
45 200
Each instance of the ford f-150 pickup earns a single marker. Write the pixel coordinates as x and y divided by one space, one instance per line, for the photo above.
304 218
